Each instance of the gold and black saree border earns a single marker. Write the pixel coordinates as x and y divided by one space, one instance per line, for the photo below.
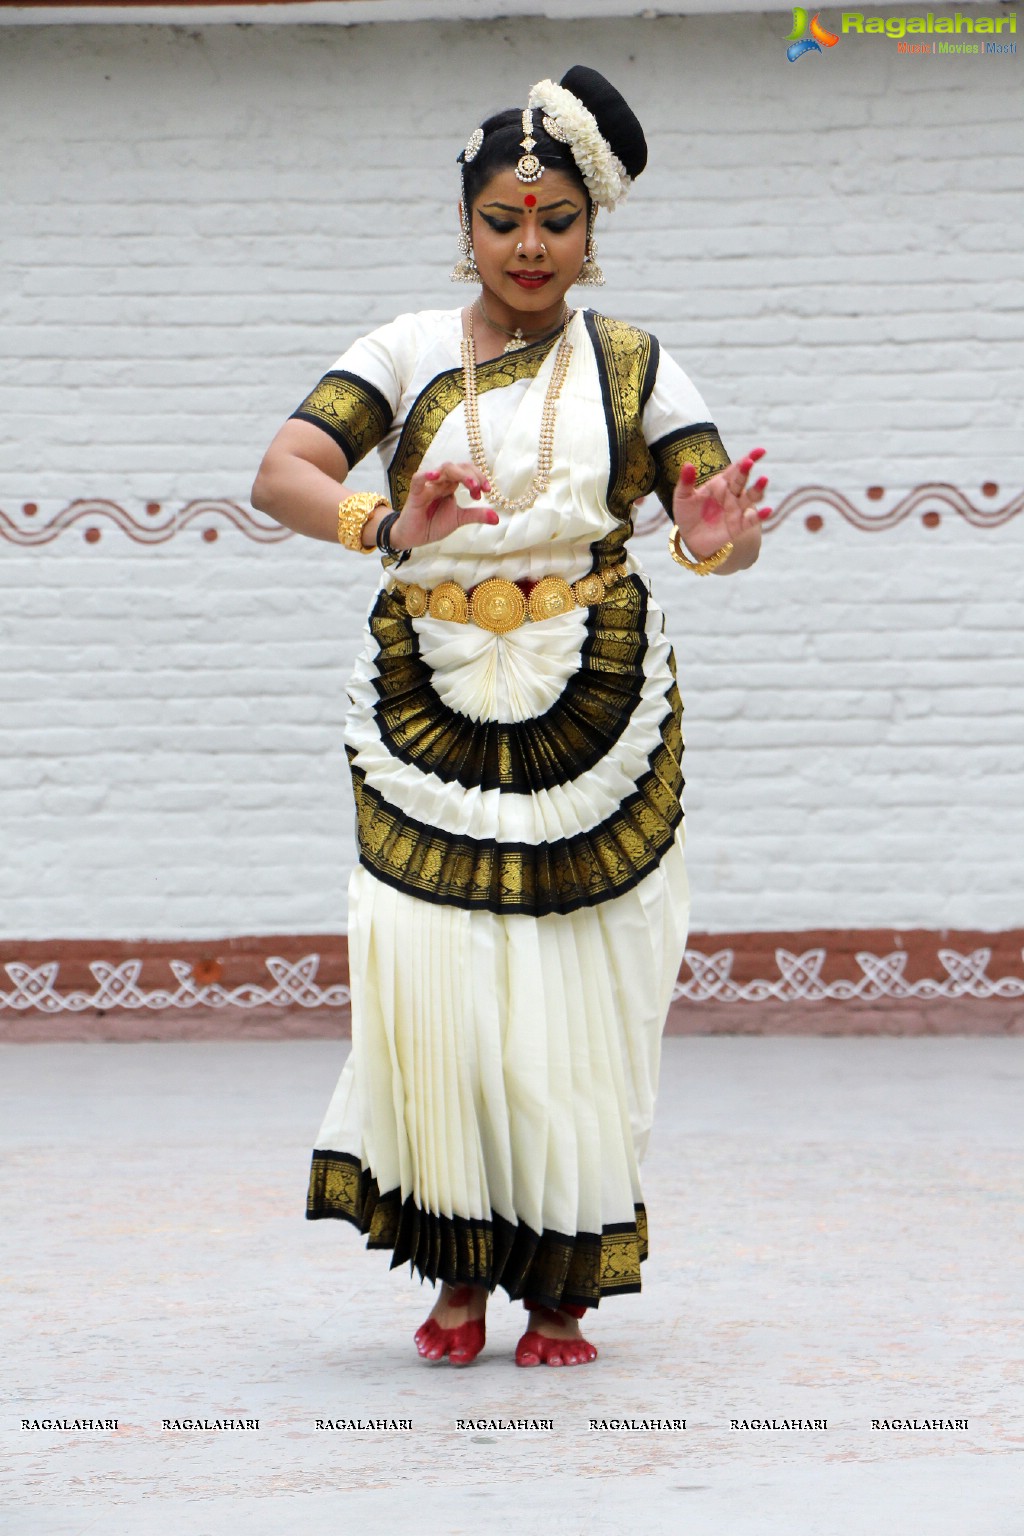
555 1267
534 879
583 724
627 362
350 410
627 365
699 445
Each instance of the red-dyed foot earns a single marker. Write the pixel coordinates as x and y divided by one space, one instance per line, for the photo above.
461 1343
554 1338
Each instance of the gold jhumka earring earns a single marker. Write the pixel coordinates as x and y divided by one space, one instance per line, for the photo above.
465 269
591 275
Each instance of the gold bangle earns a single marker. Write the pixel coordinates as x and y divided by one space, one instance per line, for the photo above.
699 567
354 512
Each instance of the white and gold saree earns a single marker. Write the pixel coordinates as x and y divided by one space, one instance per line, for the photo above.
519 912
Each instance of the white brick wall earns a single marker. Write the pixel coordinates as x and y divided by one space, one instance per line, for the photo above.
195 224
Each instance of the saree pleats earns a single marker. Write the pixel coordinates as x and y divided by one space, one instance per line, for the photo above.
496 1120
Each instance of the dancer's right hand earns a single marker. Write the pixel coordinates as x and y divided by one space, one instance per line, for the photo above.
431 511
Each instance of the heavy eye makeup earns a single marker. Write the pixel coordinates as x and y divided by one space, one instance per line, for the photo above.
557 226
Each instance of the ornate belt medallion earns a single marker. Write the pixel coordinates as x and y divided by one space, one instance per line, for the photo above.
497 605
500 605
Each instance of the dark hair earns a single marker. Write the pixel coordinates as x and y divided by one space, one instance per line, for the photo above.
501 150
503 133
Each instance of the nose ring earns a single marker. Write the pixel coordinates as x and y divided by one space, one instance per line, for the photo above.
543 247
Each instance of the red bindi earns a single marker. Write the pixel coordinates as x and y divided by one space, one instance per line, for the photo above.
529 201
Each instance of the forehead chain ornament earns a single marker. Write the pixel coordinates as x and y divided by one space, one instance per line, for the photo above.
528 167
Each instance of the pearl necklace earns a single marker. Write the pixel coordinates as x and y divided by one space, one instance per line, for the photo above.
545 454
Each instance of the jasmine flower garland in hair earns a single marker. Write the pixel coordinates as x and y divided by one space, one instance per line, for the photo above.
604 173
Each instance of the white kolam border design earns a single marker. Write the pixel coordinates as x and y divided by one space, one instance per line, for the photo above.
294 984
881 976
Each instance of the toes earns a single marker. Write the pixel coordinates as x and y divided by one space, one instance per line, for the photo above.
429 1340
577 1352
556 1352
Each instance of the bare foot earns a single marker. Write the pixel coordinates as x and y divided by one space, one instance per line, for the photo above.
553 1338
456 1326
472 1304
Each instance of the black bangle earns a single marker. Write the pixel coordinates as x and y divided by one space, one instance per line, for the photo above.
383 542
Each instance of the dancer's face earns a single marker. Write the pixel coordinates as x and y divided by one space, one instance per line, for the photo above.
529 240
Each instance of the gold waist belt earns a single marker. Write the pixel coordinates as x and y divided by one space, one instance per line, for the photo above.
500 605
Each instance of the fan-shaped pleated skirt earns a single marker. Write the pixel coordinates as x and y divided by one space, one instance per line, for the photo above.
516 925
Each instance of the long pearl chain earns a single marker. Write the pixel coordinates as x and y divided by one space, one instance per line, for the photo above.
545 454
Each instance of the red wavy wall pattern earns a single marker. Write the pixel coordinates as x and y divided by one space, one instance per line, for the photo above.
207 517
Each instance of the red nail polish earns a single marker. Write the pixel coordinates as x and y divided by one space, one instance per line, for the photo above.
689 474
493 518
746 465
758 453
761 483
433 474
764 513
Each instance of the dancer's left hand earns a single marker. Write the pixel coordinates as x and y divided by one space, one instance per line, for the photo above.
721 510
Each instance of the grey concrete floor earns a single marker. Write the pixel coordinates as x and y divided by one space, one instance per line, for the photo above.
835 1234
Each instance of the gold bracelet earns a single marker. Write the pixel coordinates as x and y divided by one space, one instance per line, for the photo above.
699 567
354 512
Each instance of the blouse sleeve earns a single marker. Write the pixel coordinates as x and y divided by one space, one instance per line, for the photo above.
355 402
678 431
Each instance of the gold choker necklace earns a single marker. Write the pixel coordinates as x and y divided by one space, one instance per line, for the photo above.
520 338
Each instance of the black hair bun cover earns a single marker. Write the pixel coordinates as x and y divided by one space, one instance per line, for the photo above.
615 118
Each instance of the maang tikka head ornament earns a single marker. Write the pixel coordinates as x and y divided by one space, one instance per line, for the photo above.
528 167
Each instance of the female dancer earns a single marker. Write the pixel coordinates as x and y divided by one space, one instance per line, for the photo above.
518 915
